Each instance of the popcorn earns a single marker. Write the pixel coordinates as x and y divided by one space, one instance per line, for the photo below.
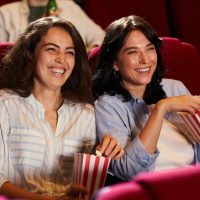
90 171
98 153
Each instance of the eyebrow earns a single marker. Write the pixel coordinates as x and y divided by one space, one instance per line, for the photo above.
130 48
53 44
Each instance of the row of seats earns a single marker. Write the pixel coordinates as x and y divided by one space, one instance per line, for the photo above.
181 60
111 10
175 18
169 185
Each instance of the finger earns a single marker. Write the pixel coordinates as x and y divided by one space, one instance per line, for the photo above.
116 151
111 146
119 155
104 143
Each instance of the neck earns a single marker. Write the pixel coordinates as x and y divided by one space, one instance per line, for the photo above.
137 91
51 100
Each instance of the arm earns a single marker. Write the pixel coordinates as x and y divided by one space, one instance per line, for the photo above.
114 117
12 191
141 152
6 188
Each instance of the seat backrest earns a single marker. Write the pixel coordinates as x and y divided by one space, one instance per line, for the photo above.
111 10
181 59
4 47
179 183
186 15
127 191
182 62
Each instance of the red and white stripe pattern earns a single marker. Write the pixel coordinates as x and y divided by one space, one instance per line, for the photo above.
90 171
192 122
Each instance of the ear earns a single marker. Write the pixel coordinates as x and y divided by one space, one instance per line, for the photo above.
115 67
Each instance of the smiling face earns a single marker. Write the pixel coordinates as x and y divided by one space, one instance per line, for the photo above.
54 58
136 62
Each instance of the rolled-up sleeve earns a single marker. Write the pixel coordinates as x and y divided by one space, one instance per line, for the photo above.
112 117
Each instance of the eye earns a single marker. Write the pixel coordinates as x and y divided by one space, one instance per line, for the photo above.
132 52
51 49
151 48
70 52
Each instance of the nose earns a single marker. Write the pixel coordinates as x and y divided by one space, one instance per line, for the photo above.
144 57
61 58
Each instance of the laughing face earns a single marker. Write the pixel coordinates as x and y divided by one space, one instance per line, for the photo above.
136 61
55 59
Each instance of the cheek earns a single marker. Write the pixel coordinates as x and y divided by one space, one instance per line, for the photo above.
154 57
71 63
42 60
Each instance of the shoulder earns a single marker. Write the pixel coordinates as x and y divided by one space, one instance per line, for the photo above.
111 103
6 95
9 100
108 99
174 87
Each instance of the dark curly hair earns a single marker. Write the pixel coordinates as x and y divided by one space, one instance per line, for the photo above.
17 69
104 80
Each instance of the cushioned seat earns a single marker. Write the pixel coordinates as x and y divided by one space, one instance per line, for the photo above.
4 46
182 183
126 191
181 59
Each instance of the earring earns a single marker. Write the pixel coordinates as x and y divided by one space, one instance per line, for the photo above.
116 74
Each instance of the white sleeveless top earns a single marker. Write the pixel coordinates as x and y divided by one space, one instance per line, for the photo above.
175 149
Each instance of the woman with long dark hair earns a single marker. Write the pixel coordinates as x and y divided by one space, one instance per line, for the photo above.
132 104
46 112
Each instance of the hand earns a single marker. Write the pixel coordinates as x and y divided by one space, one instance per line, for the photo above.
110 147
190 104
75 192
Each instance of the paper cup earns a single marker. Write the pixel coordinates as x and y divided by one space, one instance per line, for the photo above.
90 171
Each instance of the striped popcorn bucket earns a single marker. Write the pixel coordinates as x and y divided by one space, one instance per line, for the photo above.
90 171
192 122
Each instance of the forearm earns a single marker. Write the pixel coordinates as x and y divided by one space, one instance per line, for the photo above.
12 191
135 160
150 134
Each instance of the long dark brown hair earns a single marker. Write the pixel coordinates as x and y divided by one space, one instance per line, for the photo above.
104 79
17 69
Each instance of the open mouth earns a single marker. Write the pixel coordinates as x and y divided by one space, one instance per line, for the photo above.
59 71
143 70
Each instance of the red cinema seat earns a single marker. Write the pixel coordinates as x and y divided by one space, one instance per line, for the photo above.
4 47
185 16
182 62
181 183
127 191
105 11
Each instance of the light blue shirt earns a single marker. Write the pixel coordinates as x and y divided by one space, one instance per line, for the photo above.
125 120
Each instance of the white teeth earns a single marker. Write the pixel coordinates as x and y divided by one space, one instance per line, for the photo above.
144 69
56 70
